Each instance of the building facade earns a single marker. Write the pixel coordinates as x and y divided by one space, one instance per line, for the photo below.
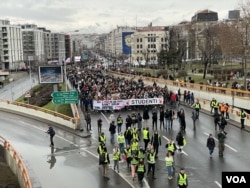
11 47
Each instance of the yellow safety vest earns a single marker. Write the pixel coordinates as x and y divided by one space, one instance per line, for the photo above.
116 155
169 161
171 147
134 146
140 168
182 179
145 134
103 138
121 139
151 158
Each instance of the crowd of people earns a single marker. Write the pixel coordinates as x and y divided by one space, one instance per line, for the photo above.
141 160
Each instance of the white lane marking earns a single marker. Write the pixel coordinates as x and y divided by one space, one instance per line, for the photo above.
217 183
225 144
168 140
96 156
55 135
105 117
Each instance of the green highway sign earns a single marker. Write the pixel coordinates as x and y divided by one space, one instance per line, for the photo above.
64 100
65 94
65 97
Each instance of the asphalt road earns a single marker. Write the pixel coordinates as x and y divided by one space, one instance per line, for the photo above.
202 171
74 162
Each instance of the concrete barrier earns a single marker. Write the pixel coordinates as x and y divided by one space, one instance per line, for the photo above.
15 162
36 112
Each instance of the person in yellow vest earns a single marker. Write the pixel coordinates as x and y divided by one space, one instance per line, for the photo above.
127 155
146 137
134 162
121 142
215 106
182 179
171 147
105 165
140 169
134 146
101 148
151 158
197 107
116 157
141 153
242 118
169 164
102 138
136 136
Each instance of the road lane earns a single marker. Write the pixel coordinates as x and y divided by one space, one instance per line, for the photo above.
69 166
203 171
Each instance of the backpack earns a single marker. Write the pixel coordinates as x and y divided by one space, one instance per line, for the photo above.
102 157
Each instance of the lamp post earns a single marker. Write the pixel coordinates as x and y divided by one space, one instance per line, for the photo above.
30 58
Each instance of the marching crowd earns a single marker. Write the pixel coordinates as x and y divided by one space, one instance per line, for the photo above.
128 147
141 160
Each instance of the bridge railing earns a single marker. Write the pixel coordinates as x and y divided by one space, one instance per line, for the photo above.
42 113
15 162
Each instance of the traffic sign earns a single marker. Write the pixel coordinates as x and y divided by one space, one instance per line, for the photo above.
65 94
65 97
64 100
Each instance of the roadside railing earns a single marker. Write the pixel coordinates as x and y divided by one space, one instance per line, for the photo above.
16 164
74 120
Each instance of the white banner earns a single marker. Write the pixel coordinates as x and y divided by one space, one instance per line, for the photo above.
149 101
119 104
109 104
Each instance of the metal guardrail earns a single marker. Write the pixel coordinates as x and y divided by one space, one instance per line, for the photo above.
19 162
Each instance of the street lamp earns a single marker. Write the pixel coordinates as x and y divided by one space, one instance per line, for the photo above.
30 58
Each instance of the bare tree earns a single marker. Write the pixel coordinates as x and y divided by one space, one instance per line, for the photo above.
208 46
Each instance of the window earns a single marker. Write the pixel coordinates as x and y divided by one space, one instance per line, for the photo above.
140 39
138 46
141 46
137 40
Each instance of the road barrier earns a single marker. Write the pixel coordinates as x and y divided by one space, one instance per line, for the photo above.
42 113
15 162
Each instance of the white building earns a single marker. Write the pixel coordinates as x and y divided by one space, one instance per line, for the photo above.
11 46
33 44
147 42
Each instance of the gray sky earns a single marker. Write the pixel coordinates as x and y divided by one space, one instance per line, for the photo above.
100 16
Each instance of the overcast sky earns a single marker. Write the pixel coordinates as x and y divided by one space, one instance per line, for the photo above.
100 16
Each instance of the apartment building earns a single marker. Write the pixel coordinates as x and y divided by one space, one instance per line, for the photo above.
33 44
11 47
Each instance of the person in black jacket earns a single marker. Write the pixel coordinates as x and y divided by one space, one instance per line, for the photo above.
145 117
156 142
180 141
162 118
112 130
210 144
222 124
154 119
52 133
216 120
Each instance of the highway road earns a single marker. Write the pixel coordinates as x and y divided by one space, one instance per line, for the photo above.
74 162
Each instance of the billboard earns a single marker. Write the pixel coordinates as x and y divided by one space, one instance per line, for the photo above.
50 74
126 42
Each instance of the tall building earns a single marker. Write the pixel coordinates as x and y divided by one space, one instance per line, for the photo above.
205 16
33 44
233 14
58 47
11 47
